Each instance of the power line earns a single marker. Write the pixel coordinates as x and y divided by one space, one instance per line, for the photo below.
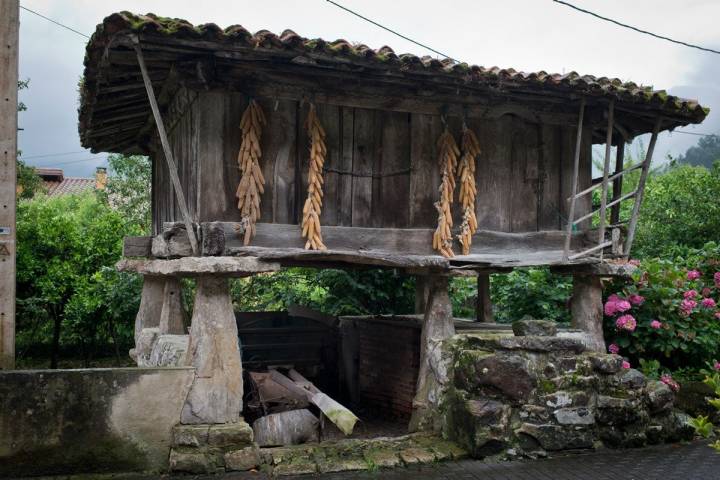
694 133
70 162
661 37
55 22
391 30
23 157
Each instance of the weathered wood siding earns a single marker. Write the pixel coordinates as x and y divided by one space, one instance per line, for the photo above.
381 167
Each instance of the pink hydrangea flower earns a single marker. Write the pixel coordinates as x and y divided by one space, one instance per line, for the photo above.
626 322
626 364
668 380
690 294
717 365
613 348
655 324
717 315
708 303
716 277
693 275
636 299
687 306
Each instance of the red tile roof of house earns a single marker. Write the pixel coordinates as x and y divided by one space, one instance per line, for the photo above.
69 185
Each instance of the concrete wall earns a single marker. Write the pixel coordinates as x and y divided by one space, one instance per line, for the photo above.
94 420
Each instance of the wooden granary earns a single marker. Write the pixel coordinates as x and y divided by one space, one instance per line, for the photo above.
376 152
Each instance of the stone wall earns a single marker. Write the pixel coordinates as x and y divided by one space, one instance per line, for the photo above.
86 421
533 394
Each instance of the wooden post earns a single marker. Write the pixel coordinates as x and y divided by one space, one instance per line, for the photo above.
167 151
641 188
576 171
483 308
9 27
606 174
617 183
587 309
432 376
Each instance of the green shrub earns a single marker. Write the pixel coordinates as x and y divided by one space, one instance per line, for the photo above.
669 313
530 291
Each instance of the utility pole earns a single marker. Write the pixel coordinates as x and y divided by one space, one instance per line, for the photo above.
9 34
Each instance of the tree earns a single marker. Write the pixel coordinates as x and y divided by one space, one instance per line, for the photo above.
28 182
680 211
65 292
128 189
704 154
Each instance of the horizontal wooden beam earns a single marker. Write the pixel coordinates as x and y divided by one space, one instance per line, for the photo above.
382 247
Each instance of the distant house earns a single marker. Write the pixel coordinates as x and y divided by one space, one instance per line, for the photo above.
56 183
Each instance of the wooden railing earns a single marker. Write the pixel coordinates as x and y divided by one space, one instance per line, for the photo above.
616 178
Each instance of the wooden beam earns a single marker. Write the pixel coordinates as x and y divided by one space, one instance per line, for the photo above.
606 173
641 187
168 152
9 27
617 181
576 170
483 309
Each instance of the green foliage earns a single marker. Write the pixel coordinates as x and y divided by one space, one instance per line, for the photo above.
689 334
29 183
650 368
68 296
335 292
702 425
704 154
680 211
531 291
128 189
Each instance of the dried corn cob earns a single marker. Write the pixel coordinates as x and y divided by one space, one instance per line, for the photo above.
313 203
468 190
442 238
251 181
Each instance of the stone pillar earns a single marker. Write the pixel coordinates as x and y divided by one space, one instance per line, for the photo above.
483 308
151 303
172 317
587 310
432 377
216 393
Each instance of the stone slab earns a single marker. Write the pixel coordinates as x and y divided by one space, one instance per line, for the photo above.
192 266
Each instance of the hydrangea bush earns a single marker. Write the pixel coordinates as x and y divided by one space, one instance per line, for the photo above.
669 313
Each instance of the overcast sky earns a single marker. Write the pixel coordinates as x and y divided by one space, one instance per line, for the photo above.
522 34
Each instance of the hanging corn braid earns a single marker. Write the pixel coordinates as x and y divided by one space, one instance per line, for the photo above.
313 203
442 238
468 190
251 181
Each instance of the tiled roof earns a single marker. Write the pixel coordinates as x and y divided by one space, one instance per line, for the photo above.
680 111
68 186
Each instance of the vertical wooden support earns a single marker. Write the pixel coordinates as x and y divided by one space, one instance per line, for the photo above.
421 293
576 171
641 188
606 174
483 308
9 25
437 327
167 151
587 310
216 393
617 183
172 315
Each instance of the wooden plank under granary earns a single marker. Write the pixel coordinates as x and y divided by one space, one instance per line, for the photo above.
549 166
391 183
524 178
494 174
366 150
281 160
425 175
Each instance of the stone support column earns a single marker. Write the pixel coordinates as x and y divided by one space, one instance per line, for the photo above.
587 310
216 393
151 303
484 311
172 317
437 327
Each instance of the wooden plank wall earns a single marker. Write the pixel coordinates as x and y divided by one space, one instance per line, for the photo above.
381 167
